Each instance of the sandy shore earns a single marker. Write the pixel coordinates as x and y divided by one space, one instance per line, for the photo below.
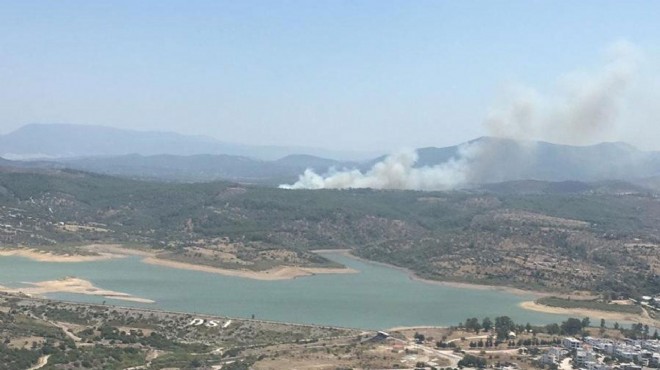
593 314
110 251
118 250
279 273
72 285
42 256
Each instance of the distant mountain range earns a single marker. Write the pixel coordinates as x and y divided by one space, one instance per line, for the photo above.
507 160
175 157
56 141
204 167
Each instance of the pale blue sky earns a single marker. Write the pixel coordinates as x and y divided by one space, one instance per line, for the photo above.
369 75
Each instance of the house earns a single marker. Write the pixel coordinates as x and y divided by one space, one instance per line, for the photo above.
582 357
625 352
570 343
593 365
630 366
654 361
652 345
553 356
600 344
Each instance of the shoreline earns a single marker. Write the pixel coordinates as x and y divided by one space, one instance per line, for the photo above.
418 327
113 251
594 314
72 285
278 273
157 309
454 284
46 256
110 251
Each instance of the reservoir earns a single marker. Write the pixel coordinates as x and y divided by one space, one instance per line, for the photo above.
378 297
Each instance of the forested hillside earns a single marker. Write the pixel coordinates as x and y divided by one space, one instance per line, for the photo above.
602 237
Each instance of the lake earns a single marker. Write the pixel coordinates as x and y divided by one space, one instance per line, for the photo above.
378 297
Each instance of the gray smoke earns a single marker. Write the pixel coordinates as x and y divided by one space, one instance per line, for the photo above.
583 109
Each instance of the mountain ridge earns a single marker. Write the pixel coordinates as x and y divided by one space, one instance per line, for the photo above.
65 140
500 159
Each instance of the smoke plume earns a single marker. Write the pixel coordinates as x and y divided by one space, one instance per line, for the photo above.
396 171
582 109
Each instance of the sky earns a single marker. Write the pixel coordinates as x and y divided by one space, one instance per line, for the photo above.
349 75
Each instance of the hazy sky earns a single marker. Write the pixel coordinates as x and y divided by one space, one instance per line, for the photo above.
373 75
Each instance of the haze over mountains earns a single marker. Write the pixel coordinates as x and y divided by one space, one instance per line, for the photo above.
175 157
55 141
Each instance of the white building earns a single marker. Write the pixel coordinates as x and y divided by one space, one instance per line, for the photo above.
571 343
654 361
582 357
553 356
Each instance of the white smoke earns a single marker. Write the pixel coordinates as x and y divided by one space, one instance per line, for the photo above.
583 109
396 171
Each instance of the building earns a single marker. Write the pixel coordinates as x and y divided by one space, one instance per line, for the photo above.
654 361
583 357
601 345
652 345
570 343
553 356
630 366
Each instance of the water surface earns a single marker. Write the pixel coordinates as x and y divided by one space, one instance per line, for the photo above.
378 297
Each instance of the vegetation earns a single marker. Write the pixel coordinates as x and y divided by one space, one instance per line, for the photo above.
504 327
107 337
11 358
595 240
472 361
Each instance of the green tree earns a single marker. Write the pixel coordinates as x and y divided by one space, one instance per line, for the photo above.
585 322
504 325
472 361
486 324
571 326
553 329
472 324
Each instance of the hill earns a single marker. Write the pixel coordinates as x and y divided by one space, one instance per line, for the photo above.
557 237
507 160
175 157
203 167
69 140
193 168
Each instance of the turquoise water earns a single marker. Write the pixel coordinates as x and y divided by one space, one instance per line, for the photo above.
378 297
